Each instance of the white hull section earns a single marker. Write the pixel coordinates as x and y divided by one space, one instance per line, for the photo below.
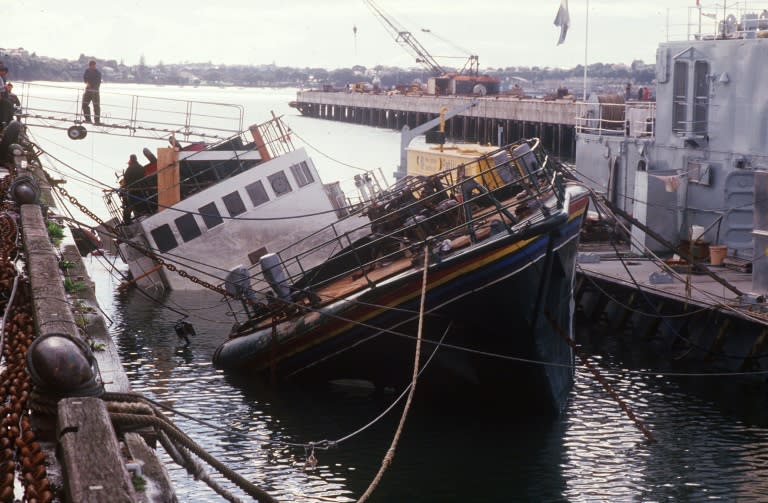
234 222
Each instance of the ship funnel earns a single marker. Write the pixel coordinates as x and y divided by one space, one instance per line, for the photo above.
275 274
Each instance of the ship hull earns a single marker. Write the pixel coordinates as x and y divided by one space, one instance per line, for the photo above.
498 313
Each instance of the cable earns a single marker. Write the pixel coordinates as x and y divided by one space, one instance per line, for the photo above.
326 155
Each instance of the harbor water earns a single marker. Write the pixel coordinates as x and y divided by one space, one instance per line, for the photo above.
711 433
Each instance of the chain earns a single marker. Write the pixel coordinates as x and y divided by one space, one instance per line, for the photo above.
83 208
171 267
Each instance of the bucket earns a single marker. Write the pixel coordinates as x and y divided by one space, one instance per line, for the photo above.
699 250
717 253
697 232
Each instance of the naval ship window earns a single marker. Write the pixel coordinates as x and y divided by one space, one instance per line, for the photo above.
164 239
234 204
279 183
257 193
211 215
700 97
188 227
680 97
302 174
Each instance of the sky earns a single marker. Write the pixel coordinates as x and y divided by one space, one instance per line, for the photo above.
321 33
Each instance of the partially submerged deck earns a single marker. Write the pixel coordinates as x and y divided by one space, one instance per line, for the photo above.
678 283
706 313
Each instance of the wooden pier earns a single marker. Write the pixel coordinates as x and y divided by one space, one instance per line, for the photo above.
496 120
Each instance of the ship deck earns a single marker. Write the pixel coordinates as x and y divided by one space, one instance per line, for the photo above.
678 283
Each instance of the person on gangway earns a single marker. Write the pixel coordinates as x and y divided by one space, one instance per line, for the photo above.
92 80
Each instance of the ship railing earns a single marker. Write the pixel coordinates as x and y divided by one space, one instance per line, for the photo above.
709 21
274 135
141 116
196 174
509 196
634 119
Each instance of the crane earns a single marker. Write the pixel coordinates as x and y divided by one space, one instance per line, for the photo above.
406 39
471 66
467 81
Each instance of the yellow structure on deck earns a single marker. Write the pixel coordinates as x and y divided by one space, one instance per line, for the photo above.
470 160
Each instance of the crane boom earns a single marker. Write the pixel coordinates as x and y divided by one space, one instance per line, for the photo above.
407 40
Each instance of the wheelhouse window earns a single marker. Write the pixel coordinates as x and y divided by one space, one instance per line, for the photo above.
164 238
302 174
188 227
234 204
279 183
257 193
211 215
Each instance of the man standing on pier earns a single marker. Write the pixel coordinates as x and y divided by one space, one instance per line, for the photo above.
92 79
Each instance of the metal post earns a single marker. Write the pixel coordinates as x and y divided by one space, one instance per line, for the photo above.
586 48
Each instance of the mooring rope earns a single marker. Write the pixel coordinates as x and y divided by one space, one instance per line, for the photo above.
183 458
182 438
180 455
143 414
395 440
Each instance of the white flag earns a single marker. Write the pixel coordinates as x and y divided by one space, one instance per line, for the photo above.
563 19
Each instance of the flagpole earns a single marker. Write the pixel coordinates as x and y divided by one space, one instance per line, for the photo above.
586 48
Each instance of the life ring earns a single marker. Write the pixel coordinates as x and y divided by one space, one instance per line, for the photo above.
77 132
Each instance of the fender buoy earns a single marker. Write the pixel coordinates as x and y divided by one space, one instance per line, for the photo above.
77 132
149 155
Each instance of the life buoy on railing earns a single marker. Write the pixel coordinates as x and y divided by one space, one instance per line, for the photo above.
77 132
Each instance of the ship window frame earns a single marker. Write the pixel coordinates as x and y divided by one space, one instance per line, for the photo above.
700 97
257 193
234 203
279 183
302 174
680 97
211 215
188 227
164 238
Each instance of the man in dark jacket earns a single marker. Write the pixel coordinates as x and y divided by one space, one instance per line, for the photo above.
92 79
134 192
6 107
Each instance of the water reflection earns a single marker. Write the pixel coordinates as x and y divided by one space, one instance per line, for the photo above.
490 451
699 453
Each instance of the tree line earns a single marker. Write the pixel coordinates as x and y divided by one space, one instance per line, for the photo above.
29 67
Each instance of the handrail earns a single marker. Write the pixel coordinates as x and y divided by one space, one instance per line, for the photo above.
629 119
141 116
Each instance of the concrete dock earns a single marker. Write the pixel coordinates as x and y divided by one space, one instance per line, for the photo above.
495 119
701 316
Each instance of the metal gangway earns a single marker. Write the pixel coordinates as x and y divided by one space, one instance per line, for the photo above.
58 106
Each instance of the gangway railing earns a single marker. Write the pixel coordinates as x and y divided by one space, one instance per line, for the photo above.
140 116
632 119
